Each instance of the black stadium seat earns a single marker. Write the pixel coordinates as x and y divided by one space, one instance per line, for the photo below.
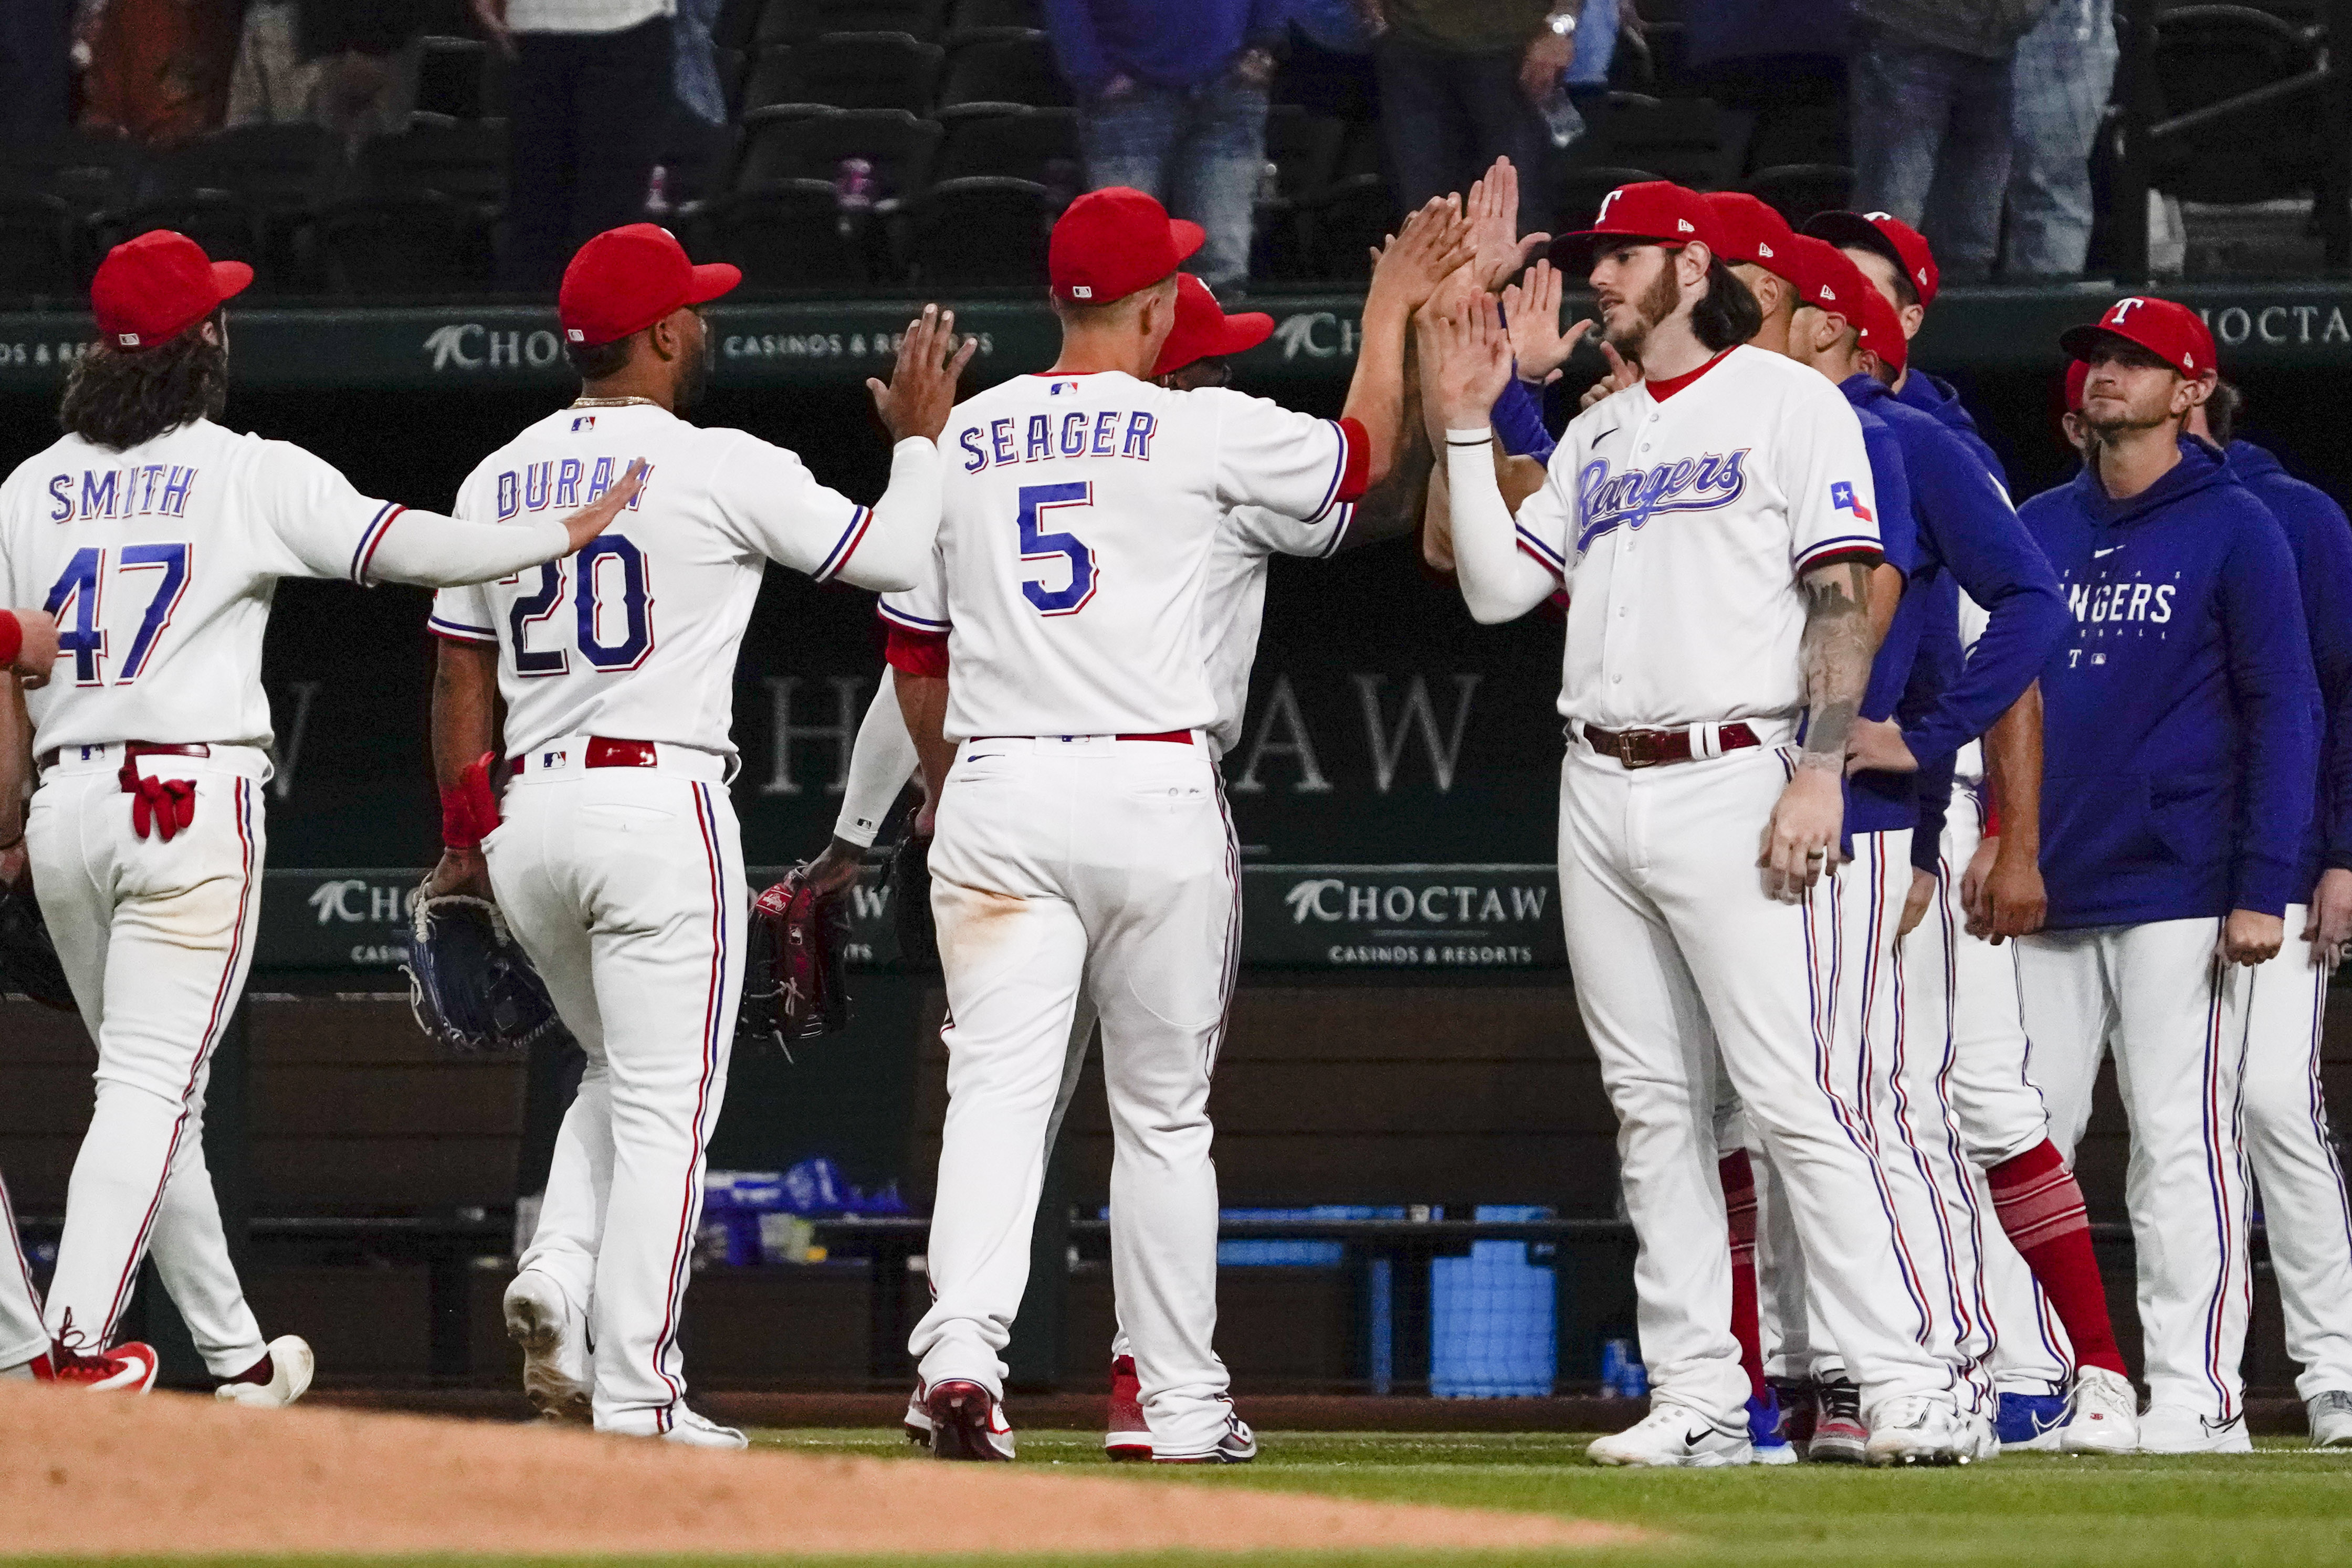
1692 142
811 147
464 161
2208 53
1018 143
38 254
1026 14
1002 65
1801 192
768 82
983 230
225 224
391 245
89 171
795 20
785 235
865 71
1342 224
1577 194
454 79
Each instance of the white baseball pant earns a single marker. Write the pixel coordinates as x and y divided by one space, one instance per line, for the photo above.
1108 866
2176 1022
155 938
625 887
23 1335
1676 949
2303 1200
2000 1112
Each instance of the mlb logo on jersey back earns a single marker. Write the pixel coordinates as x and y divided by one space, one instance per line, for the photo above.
1056 389
1843 497
584 422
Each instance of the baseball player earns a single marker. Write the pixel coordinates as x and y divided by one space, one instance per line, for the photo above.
156 538
1716 528
28 648
2304 1211
1082 842
614 853
2046 1305
1194 356
2181 718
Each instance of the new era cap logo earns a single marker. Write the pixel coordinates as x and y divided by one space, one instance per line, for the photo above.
127 339
575 334
1081 291
1683 226
1763 249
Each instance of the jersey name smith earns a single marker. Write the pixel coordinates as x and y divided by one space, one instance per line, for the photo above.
140 490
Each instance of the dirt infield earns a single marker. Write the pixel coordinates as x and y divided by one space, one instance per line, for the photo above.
89 1474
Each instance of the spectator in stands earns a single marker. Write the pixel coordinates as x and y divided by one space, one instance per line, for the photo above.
1929 82
326 62
587 105
2061 78
1171 101
158 70
1464 82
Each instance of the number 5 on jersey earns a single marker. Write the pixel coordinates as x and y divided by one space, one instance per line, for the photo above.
78 597
612 610
1038 545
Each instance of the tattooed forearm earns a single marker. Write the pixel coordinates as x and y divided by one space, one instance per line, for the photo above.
1834 658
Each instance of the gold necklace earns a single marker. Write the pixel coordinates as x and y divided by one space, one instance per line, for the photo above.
610 402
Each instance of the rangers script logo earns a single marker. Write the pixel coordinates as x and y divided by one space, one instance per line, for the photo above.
1606 501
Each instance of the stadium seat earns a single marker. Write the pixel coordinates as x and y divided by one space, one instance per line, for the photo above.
1036 144
1800 133
1576 193
413 245
778 148
1304 149
1340 226
454 78
2205 54
983 230
89 171
38 252
466 160
785 235
1692 142
225 224
1002 65
864 71
789 21
1801 192
278 167
768 82
1632 68
969 15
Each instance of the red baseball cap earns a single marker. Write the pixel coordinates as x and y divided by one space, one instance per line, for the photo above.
1751 230
1888 235
1110 243
2173 333
1882 330
1203 330
2078 376
150 289
627 278
1657 211
1825 278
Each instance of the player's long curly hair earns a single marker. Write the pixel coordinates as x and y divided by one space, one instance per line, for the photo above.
121 397
1730 314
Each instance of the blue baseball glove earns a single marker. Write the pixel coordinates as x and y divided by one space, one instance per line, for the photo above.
469 983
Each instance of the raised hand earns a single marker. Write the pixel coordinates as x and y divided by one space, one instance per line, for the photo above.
922 388
597 515
1472 366
1433 244
1532 312
1492 209
1622 373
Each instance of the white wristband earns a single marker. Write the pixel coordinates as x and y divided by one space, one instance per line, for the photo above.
1477 437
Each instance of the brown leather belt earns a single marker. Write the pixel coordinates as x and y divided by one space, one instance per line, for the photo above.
1649 748
133 750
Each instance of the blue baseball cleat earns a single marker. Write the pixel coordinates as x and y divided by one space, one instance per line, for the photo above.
2030 1422
1764 1434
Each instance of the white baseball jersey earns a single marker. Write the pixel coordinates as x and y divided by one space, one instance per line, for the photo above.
1232 600
1680 528
159 563
1080 516
662 596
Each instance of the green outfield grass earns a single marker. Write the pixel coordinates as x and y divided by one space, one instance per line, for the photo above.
2281 1507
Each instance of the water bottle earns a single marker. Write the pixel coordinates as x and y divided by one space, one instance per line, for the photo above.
1559 115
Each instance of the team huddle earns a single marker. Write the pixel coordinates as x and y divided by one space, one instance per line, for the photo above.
1885 810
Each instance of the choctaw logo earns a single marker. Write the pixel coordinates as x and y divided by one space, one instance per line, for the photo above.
1629 499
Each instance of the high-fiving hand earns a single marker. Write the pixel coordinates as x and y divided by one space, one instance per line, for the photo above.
1532 310
1433 244
922 387
1471 365
1492 209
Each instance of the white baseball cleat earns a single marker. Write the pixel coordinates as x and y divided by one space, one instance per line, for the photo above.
696 1430
1672 1437
916 1422
1236 1445
2105 1417
554 1341
2178 1429
2331 1419
1919 1429
290 1365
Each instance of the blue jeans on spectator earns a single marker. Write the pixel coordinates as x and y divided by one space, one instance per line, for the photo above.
1445 117
1200 152
1931 143
2065 69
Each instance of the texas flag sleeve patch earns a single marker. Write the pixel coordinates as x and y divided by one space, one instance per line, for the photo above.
1843 497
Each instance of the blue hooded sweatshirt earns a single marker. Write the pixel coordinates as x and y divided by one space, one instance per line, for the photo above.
1967 534
2321 539
1932 395
2180 729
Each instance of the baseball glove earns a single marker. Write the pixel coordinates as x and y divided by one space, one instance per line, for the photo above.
28 959
794 987
469 983
911 903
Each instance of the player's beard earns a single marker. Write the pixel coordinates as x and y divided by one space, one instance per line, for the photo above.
2109 429
692 377
1660 299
